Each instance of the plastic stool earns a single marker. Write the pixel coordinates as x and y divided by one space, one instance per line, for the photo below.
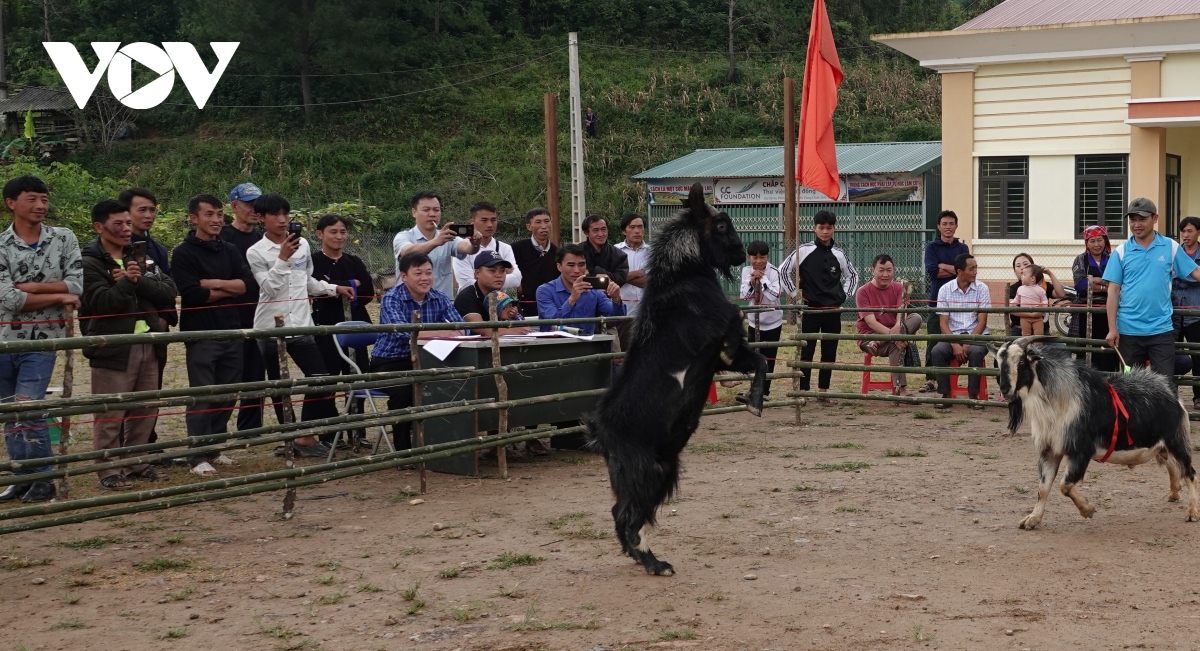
964 392
712 394
868 385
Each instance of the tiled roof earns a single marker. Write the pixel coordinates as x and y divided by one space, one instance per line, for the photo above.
1027 13
40 98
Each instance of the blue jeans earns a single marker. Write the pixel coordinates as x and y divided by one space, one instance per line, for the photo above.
25 376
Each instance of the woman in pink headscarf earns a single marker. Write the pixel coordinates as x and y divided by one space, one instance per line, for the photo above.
1088 269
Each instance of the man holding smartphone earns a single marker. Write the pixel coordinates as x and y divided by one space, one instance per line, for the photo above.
574 294
120 297
283 268
441 245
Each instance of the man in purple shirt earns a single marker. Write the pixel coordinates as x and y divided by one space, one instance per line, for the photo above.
571 297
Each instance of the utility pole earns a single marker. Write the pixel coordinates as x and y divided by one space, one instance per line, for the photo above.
549 107
578 208
3 78
790 226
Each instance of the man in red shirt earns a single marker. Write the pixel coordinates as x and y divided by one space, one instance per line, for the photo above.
882 292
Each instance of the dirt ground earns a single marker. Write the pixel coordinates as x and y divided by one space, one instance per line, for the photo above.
872 526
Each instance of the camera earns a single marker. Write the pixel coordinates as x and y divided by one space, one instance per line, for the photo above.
597 282
465 230
295 229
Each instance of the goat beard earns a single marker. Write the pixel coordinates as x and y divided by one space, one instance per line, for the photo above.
1016 414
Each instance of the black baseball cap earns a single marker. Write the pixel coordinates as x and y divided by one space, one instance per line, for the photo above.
490 259
1142 207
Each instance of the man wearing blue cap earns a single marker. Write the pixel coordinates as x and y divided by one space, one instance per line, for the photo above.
244 233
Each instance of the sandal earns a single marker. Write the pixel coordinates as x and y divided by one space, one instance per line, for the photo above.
204 469
943 405
116 483
929 387
1196 404
149 474
828 401
225 461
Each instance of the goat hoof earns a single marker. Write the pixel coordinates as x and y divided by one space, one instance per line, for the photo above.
1088 512
1193 517
1173 497
1029 523
661 568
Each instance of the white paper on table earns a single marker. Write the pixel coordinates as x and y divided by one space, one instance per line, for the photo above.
441 348
532 335
574 336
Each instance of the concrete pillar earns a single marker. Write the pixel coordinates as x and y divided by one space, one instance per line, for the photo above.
1147 145
958 144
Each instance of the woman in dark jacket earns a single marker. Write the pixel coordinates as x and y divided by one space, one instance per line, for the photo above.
1088 269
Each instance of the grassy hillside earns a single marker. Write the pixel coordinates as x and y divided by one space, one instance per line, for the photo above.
484 140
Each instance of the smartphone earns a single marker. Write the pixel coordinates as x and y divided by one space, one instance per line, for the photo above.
597 282
295 229
466 230
139 254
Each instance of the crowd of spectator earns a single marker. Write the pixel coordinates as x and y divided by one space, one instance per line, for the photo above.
259 268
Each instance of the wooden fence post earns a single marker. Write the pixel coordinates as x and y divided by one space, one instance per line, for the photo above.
501 391
289 446
418 434
64 426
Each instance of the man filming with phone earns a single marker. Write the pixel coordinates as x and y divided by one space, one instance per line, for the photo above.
441 245
575 294
282 264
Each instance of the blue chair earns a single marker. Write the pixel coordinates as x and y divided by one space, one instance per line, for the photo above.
345 343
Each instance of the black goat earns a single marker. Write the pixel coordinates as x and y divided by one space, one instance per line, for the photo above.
1079 414
684 332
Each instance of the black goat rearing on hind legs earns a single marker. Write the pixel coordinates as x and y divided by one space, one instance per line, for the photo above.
1079 415
684 332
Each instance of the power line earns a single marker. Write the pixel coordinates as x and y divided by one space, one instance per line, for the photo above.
391 72
384 97
630 48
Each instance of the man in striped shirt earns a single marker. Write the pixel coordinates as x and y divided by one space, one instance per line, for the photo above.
965 291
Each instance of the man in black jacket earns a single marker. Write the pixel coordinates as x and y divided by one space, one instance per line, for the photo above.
115 285
826 278
210 273
243 233
535 258
604 259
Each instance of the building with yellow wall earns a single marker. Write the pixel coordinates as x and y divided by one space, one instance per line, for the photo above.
1056 113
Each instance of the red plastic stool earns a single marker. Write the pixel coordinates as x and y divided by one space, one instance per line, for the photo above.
964 392
712 394
868 384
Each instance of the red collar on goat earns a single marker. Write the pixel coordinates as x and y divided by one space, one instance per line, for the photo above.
1120 408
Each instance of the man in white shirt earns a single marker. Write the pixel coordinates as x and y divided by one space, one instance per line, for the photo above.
637 253
282 265
439 245
964 291
485 221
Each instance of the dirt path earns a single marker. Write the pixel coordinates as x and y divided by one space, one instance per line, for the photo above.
871 527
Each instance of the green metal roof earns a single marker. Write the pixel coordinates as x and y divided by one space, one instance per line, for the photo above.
755 162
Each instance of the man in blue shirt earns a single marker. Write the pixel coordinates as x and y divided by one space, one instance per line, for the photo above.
571 297
939 266
1139 275
393 350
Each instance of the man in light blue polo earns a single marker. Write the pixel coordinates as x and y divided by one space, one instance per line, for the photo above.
440 245
1139 275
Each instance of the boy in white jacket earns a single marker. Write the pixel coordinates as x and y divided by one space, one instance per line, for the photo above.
761 285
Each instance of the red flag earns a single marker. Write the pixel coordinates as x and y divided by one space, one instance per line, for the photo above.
816 157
